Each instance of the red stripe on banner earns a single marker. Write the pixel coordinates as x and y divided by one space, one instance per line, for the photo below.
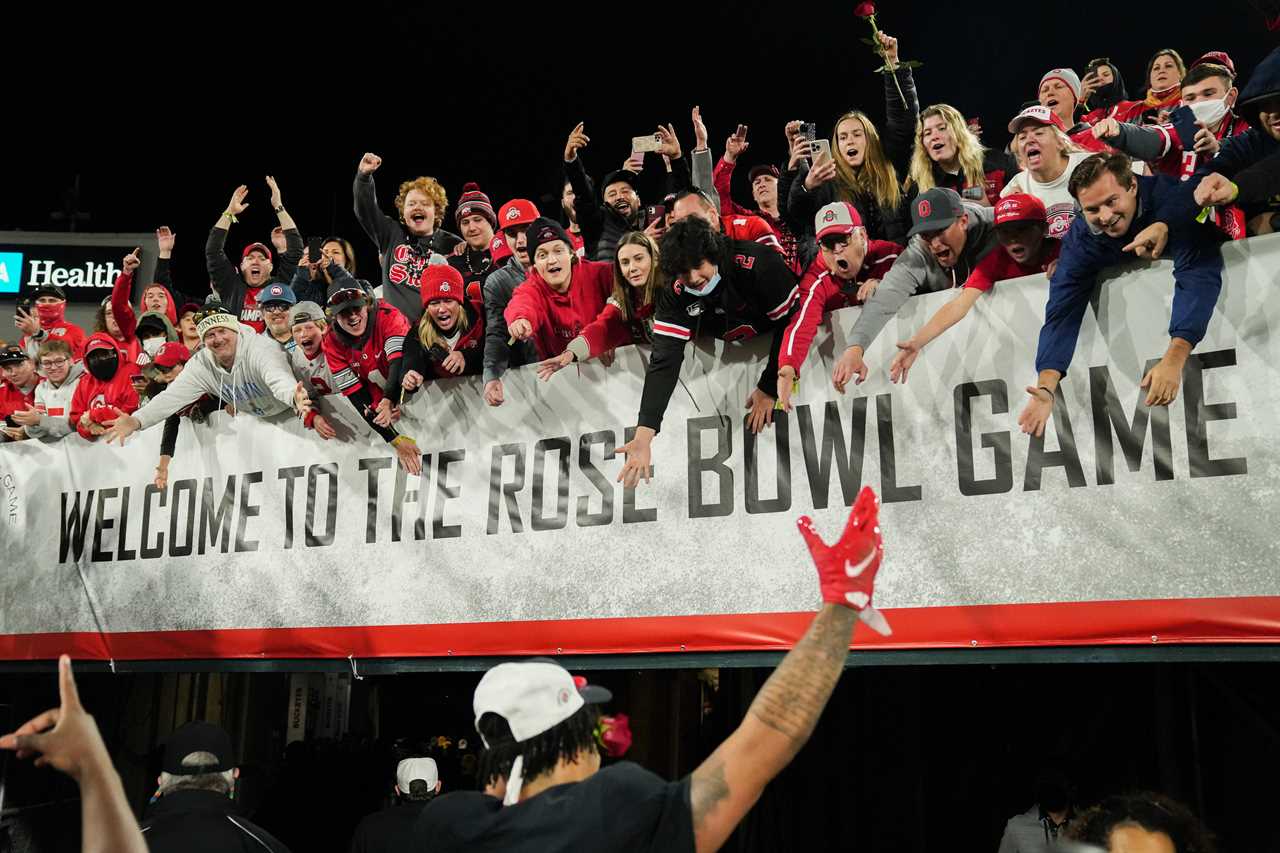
1195 620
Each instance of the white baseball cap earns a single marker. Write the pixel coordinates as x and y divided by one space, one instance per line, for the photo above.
410 769
532 696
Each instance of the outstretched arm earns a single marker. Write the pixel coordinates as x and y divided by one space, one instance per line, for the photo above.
786 710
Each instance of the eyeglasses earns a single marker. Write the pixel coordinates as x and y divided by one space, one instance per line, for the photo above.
48 363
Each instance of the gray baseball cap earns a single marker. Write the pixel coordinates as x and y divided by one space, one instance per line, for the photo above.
304 312
934 210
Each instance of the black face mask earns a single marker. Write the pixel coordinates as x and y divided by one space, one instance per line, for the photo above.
102 364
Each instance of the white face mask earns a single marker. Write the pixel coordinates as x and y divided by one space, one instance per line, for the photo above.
151 346
1209 112
706 288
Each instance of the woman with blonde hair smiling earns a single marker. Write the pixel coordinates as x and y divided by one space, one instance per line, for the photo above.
627 317
948 154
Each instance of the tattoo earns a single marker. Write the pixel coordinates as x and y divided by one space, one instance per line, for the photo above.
793 698
707 789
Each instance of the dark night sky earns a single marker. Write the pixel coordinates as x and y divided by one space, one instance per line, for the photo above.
162 116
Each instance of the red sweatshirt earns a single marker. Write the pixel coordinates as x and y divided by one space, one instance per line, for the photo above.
609 330
822 293
13 400
558 318
996 265
130 347
93 392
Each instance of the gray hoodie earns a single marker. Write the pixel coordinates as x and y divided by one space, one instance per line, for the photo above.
259 382
54 404
916 271
1029 833
498 353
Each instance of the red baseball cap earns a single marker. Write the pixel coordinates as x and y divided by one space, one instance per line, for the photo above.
499 248
170 354
441 281
518 211
1020 207
839 217
1036 115
256 247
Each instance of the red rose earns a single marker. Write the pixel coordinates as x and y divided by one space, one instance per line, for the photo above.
865 10
615 735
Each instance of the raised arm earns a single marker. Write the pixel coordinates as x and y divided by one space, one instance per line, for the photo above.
375 223
121 293
786 710
288 259
225 277
902 108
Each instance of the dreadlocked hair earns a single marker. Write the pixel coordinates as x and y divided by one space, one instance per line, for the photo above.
1153 812
687 244
566 740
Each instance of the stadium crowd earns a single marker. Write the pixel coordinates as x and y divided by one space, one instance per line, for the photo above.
871 216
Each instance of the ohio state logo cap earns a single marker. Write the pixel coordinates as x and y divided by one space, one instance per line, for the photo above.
839 217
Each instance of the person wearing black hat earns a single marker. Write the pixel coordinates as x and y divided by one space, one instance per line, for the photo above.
49 322
17 388
194 808
621 211
1246 171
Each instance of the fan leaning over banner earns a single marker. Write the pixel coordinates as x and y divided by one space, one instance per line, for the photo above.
948 238
448 339
739 289
541 756
405 246
161 372
364 346
236 365
500 349
1123 213
847 270
1025 249
48 417
238 289
106 392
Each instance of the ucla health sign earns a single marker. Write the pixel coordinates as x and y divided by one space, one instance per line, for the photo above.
83 265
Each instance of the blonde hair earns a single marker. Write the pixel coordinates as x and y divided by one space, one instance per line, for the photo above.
876 177
969 150
430 336
1065 146
622 288
431 187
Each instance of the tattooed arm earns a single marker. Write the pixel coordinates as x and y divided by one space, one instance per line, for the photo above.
786 710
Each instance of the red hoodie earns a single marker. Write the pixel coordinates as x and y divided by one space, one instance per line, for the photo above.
558 318
93 392
170 307
128 344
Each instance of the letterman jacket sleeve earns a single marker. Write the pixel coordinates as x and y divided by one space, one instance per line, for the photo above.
670 333
776 289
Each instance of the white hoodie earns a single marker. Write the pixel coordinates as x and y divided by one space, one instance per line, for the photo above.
53 402
258 383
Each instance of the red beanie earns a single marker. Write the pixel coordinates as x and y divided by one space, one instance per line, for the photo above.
441 281
472 202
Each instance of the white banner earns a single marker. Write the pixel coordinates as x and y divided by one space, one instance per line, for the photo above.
517 516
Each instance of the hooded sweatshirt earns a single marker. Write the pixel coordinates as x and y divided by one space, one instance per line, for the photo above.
238 297
128 344
170 307
92 393
558 318
154 318
1030 833
53 402
1105 99
259 382
916 271
54 325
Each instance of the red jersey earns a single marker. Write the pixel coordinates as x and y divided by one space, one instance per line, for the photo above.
576 243
251 311
1180 163
821 293
721 178
996 265
558 318
751 228
370 363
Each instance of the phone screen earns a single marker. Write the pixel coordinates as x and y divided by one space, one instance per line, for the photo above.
315 249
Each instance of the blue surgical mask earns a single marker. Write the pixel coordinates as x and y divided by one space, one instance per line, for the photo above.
706 288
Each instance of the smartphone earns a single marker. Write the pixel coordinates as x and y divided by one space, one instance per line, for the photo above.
653 213
821 150
809 131
1183 120
645 144
315 249
26 305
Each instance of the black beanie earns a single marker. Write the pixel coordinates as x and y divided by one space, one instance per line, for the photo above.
544 230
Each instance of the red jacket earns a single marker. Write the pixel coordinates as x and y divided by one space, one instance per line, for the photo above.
131 352
370 363
93 392
610 330
13 400
1182 164
558 318
822 293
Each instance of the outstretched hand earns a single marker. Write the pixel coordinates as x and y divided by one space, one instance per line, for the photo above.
65 737
847 569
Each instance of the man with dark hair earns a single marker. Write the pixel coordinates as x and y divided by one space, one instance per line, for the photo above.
1124 213
739 290
195 810
1142 822
537 723
1037 829
391 830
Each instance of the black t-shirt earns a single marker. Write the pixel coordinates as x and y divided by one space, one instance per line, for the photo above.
389 830
621 808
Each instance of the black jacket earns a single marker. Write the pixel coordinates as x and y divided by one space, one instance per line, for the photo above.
199 821
225 276
897 137
601 226
388 831
756 294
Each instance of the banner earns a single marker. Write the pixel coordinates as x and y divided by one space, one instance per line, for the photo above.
1122 525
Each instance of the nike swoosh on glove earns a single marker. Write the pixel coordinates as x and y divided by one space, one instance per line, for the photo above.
847 569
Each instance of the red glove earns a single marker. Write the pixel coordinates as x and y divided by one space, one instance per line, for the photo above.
847 569
104 414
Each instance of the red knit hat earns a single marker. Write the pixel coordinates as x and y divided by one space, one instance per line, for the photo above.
499 248
1217 57
472 202
518 211
441 281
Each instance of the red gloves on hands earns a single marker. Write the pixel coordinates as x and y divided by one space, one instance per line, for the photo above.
847 569
104 414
